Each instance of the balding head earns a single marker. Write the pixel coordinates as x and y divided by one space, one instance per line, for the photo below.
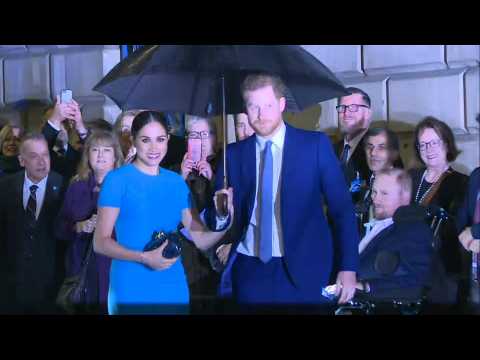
35 156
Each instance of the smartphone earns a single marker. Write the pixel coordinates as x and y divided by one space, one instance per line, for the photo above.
66 96
195 150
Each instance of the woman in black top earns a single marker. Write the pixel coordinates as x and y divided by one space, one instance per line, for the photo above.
437 186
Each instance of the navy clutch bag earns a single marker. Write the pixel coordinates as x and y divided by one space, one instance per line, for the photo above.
173 248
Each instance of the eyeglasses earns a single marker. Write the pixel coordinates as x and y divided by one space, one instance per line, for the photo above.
199 134
351 108
434 144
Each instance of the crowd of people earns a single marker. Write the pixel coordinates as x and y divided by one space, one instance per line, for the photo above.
311 225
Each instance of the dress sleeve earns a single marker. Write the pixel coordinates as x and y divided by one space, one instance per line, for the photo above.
112 191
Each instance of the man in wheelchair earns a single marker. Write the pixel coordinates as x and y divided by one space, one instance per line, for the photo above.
395 253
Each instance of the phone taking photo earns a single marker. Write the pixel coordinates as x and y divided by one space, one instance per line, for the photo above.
195 150
66 96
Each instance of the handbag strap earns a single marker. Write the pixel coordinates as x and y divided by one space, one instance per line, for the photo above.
434 189
86 259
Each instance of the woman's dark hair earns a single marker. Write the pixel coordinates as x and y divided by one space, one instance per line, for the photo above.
393 143
444 133
147 117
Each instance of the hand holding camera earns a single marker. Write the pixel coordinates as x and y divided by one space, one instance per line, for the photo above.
67 108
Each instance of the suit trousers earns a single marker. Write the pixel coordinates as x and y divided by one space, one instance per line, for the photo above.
259 287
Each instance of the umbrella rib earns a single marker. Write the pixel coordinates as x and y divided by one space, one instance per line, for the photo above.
140 77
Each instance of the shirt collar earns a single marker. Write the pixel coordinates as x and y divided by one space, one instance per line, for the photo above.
278 139
355 141
41 184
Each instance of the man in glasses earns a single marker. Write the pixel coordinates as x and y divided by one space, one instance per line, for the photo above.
354 115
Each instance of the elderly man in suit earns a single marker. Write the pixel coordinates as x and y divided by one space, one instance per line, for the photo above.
282 254
396 254
30 261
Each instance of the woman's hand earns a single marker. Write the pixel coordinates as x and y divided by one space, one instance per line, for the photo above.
187 166
222 253
229 193
205 169
155 260
61 112
77 117
87 226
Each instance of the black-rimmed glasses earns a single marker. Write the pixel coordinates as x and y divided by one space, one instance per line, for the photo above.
198 134
351 108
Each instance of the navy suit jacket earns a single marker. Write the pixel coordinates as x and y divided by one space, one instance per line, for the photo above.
311 177
411 241
467 211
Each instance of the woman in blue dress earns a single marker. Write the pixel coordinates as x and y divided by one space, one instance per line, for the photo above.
138 199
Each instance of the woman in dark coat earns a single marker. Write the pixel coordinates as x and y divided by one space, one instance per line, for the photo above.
437 186
77 218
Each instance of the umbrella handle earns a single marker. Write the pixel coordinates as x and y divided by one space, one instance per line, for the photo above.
222 205
222 200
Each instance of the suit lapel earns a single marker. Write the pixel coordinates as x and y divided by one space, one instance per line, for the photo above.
51 192
249 174
18 197
290 161
376 240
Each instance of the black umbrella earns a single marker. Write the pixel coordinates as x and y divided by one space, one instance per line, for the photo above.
205 80
188 78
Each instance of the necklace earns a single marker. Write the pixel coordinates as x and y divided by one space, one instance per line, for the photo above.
419 201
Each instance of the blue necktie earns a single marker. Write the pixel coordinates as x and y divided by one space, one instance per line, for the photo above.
266 207
344 157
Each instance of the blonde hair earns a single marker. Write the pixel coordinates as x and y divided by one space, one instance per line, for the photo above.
117 127
102 138
7 130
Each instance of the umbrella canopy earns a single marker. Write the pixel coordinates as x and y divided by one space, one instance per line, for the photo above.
188 78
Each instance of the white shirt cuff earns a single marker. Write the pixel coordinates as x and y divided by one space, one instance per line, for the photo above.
53 125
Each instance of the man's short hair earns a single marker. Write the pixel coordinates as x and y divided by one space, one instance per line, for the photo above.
402 177
35 136
353 90
257 81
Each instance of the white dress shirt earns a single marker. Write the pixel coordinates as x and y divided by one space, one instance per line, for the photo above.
251 244
377 228
40 193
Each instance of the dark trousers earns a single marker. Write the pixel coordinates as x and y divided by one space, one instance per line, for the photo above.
268 288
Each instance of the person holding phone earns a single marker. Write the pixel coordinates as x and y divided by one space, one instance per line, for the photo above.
139 199
197 170
64 118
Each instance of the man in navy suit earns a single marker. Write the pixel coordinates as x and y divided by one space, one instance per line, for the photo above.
468 226
283 179
396 254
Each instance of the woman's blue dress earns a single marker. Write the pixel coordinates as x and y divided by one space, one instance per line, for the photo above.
147 203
